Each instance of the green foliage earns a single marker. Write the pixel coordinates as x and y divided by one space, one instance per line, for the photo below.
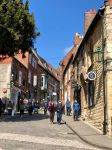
17 27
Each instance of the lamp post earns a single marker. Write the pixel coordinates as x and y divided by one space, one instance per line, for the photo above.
11 86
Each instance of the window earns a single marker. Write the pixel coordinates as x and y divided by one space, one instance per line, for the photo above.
34 80
91 94
20 78
42 81
29 77
30 59
24 82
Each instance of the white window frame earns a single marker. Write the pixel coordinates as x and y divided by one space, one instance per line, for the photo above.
20 77
29 76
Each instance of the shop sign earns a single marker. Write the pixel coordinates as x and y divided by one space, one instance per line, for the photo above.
91 75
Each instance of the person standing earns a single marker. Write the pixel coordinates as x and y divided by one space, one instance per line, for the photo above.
76 108
68 107
9 107
30 107
22 106
59 109
45 106
36 105
1 106
51 109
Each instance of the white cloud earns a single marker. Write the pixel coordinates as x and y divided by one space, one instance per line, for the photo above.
67 49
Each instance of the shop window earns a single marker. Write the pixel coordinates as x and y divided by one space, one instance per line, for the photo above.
91 94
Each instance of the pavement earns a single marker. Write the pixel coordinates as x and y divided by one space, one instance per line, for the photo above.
88 134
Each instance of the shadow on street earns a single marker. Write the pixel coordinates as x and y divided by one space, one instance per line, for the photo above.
25 117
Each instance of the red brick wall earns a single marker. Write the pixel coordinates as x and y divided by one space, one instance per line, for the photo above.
7 60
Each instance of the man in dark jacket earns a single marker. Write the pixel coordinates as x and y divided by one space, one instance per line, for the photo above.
59 109
76 108
1 106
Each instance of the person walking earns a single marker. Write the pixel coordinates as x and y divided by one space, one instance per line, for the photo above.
30 107
45 106
51 109
76 108
35 106
68 107
10 108
22 106
1 106
60 108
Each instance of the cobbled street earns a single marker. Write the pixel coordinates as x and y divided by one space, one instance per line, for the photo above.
35 132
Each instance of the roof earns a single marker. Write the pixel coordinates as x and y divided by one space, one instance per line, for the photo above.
48 67
95 20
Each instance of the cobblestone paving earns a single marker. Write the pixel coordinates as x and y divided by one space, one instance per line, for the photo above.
37 133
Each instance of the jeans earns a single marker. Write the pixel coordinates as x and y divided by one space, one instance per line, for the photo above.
9 112
59 117
52 116
68 111
76 114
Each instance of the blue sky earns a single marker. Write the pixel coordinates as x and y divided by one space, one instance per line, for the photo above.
58 21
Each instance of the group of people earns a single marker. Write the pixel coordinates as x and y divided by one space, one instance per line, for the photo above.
59 108
76 108
52 108
24 105
47 105
29 106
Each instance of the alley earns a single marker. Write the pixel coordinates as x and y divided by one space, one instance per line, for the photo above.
37 133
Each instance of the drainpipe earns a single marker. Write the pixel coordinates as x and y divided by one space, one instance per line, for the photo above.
104 78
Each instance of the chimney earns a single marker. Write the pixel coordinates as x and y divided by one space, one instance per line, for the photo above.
88 18
108 2
78 38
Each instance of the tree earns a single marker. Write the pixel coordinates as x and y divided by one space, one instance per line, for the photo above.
17 27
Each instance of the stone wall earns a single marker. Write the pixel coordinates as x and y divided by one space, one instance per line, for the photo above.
108 57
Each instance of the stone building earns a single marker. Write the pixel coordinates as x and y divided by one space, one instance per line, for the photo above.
93 71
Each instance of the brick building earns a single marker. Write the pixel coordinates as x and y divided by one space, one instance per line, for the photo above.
67 73
30 77
13 79
48 81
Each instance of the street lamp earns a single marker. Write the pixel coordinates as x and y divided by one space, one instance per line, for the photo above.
98 54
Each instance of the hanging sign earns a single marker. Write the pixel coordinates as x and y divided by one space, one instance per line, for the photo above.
91 75
4 90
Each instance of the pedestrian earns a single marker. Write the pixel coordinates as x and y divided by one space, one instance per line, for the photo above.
45 106
68 107
30 107
76 108
60 109
51 109
22 106
36 106
1 106
10 108
4 101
